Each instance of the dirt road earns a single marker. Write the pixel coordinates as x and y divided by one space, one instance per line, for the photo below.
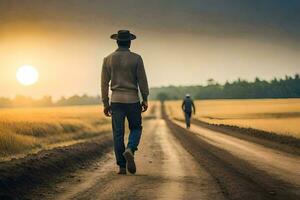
199 164
281 165
165 171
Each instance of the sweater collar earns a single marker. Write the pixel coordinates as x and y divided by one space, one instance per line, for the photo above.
122 49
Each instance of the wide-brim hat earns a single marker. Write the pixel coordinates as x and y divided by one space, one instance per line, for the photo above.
123 35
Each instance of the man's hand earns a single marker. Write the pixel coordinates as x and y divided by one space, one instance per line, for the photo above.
144 106
107 111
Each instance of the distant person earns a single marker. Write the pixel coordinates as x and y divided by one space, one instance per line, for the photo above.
188 107
125 72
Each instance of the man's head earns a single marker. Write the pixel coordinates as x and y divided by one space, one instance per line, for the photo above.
123 38
187 96
125 44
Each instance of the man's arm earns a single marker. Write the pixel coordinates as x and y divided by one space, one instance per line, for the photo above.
142 82
105 79
194 108
182 105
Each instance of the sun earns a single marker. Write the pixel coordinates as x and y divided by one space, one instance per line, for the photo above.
27 75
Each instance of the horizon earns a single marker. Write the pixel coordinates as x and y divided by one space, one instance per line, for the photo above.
56 99
195 41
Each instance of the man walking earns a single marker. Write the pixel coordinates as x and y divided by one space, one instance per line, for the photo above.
125 72
187 107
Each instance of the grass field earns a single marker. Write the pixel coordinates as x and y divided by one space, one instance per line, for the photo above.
24 130
281 116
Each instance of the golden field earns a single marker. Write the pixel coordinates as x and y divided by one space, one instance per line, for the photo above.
27 130
281 116
24 130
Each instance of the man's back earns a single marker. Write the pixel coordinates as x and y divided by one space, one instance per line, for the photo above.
126 72
188 105
122 65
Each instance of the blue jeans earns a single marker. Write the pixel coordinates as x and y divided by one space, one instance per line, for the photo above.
188 116
131 111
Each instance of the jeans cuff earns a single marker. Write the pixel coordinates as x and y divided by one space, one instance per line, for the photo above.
122 166
132 148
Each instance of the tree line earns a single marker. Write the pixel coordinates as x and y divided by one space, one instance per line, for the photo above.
46 101
287 87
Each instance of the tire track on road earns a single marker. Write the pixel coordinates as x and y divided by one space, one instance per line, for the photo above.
237 178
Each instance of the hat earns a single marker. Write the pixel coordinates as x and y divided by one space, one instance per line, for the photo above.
123 35
187 95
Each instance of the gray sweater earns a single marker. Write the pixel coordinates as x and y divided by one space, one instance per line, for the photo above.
125 72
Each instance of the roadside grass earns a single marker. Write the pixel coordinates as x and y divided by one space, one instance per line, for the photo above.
13 143
25 130
28 130
280 116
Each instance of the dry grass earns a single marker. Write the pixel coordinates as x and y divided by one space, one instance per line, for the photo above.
25 130
281 116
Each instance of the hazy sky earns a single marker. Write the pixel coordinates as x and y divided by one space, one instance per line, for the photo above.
182 42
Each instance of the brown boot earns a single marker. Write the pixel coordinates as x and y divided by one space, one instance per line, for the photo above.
122 171
128 155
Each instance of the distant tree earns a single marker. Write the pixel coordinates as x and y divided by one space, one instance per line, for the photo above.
211 81
257 80
162 97
45 101
22 101
78 100
5 102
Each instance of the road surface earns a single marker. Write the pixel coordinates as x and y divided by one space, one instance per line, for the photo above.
198 164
